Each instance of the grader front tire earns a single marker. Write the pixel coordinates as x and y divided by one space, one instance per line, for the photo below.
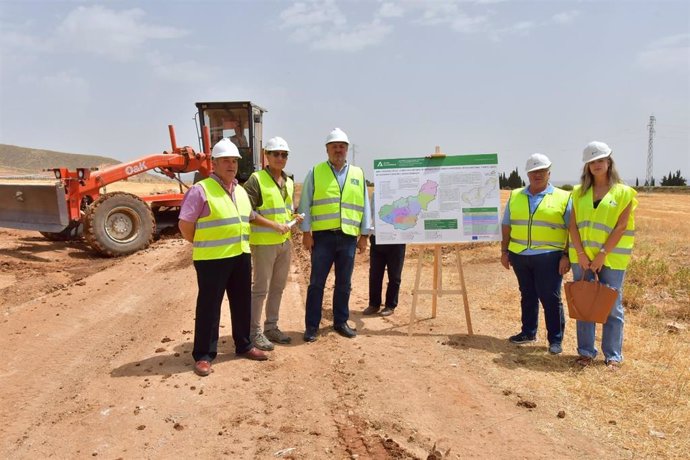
118 224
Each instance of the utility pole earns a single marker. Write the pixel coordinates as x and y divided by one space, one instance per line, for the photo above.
650 152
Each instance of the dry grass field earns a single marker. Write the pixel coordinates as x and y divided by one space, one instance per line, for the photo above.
645 407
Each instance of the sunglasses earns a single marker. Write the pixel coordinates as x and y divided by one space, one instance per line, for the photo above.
283 155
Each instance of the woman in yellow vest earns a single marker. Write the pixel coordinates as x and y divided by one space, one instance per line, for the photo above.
602 236
535 238
271 192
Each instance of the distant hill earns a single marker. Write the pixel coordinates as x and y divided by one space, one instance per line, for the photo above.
16 160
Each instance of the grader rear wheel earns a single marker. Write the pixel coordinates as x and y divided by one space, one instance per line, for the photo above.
118 224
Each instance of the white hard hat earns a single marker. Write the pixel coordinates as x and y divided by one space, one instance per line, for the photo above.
225 148
337 135
594 151
537 161
277 143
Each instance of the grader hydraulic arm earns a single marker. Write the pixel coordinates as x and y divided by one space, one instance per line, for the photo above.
114 223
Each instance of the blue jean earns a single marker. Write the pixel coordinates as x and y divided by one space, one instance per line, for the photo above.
612 330
539 280
330 247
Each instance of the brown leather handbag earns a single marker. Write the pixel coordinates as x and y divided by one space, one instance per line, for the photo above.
590 300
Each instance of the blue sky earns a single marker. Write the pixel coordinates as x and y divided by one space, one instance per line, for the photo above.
399 77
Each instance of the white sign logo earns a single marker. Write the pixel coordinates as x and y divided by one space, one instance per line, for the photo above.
129 170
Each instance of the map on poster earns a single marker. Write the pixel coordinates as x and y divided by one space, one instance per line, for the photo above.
448 199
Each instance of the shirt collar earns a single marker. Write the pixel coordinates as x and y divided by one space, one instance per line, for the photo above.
229 188
333 167
282 173
548 190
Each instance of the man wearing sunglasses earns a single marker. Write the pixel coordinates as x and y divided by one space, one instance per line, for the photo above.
271 193
337 220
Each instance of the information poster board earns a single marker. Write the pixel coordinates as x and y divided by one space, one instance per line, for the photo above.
436 200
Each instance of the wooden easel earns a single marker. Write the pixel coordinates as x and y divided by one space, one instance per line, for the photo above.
437 289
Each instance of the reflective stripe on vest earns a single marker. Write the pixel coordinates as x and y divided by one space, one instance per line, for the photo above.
545 228
333 209
595 225
225 231
274 208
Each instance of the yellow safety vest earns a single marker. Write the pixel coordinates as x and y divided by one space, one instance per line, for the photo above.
545 228
225 231
273 207
595 225
332 208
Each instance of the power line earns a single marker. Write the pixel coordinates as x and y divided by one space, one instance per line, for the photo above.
650 152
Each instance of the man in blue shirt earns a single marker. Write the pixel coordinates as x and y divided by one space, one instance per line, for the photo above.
333 243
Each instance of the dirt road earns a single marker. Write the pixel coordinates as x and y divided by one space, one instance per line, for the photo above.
96 363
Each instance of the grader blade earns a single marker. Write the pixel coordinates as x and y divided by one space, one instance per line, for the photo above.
33 207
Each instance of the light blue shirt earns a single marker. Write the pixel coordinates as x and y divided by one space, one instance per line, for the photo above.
372 229
534 201
308 196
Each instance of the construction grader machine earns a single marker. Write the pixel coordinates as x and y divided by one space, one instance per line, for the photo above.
120 223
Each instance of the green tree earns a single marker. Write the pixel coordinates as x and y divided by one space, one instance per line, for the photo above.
512 181
674 179
502 181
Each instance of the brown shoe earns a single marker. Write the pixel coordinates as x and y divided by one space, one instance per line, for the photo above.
613 366
202 368
370 310
584 361
254 354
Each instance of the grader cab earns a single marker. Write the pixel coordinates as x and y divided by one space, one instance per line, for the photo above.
120 223
242 123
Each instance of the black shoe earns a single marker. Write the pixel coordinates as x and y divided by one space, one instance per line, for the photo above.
370 310
345 331
387 311
522 338
310 335
555 349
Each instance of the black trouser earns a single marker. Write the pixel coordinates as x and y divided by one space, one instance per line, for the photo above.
540 281
380 257
215 278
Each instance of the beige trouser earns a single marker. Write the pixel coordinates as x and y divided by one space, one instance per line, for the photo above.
271 265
